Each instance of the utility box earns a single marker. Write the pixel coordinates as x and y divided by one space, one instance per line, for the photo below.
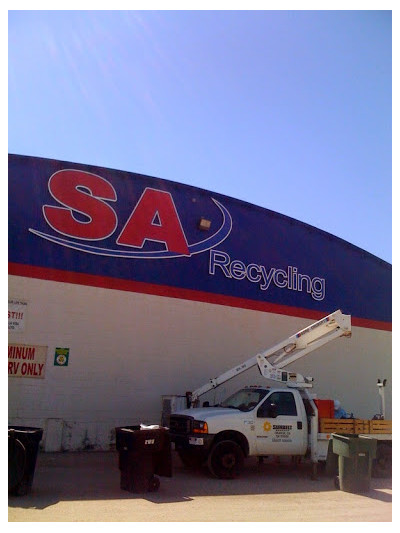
356 453
171 404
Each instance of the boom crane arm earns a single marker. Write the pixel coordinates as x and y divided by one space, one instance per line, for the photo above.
289 350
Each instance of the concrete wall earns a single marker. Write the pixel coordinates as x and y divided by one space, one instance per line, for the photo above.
128 349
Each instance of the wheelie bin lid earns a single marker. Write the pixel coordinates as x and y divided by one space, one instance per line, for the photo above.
137 438
25 433
25 429
348 445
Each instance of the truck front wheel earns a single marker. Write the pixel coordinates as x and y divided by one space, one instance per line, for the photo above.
225 459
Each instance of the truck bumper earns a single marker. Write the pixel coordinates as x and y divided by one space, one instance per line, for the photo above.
200 444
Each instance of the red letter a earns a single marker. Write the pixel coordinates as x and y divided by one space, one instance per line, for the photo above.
155 219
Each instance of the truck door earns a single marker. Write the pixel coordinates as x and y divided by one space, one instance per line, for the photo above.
281 425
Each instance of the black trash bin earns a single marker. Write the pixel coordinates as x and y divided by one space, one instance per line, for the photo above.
23 447
356 453
142 454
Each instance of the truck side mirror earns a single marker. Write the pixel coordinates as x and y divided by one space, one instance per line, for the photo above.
268 411
272 411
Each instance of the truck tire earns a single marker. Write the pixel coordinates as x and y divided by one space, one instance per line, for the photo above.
382 465
225 459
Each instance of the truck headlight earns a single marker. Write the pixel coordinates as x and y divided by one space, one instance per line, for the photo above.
199 426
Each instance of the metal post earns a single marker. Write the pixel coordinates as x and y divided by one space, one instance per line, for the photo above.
381 389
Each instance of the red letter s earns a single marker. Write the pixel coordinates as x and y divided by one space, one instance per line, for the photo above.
83 193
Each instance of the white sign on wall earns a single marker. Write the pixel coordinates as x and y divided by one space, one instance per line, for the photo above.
26 360
17 310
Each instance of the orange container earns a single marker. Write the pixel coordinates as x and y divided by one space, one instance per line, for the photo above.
325 408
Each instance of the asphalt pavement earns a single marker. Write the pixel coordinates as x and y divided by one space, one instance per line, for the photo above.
85 487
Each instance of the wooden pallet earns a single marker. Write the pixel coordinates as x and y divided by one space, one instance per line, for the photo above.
335 425
354 426
380 426
361 426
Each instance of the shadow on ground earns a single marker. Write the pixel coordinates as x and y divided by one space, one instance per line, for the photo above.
95 476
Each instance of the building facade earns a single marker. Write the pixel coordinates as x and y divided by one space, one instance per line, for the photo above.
124 288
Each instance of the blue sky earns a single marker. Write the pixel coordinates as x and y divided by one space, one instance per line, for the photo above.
288 110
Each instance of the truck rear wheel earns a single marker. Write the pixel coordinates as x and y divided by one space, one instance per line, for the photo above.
382 465
225 459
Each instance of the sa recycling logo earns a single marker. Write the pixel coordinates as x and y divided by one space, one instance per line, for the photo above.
84 212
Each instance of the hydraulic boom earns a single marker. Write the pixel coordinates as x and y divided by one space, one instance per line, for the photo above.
271 362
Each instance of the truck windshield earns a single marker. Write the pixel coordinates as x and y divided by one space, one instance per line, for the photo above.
244 399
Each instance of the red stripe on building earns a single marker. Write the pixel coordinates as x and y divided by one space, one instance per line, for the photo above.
91 280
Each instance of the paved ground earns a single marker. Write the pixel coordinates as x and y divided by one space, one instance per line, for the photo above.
85 487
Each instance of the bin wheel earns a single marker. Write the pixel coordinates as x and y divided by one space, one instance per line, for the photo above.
154 484
225 460
16 464
382 465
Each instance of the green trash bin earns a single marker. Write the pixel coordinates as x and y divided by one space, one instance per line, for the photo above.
356 453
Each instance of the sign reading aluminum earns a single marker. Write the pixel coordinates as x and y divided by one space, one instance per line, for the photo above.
109 228
26 361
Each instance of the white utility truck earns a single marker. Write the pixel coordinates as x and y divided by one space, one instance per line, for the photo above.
264 421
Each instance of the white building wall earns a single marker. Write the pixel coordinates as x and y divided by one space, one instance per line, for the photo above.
129 349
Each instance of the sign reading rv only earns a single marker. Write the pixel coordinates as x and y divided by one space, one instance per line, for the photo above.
26 361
